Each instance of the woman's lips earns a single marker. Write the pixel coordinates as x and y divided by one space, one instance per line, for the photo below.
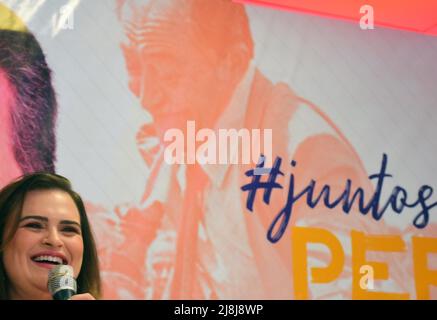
49 259
45 265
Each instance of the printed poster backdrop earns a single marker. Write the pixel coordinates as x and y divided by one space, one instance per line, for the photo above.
347 195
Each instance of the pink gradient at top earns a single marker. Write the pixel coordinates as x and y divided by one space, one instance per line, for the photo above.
411 15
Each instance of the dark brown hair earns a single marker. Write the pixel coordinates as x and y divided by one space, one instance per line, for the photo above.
11 203
34 107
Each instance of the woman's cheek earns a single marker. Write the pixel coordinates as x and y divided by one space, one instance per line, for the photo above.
76 251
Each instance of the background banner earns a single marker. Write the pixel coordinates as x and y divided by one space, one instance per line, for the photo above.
230 151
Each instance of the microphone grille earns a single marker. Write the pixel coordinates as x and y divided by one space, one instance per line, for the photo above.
61 277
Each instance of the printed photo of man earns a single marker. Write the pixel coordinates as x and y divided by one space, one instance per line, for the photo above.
193 60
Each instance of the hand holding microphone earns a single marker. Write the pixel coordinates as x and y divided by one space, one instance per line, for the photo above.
62 285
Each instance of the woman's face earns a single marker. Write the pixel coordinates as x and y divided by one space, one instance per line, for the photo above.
48 233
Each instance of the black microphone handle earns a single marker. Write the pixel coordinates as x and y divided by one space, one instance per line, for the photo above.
64 294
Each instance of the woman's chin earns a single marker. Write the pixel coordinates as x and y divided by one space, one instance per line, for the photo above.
39 282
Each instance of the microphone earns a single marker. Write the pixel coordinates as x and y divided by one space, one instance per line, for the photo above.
61 283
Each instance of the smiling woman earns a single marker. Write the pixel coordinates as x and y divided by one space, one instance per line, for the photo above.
43 223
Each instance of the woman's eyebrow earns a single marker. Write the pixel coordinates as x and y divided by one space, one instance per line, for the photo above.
45 219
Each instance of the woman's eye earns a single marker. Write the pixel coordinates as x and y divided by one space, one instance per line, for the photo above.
71 230
33 225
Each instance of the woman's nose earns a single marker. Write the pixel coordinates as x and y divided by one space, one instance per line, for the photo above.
53 239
